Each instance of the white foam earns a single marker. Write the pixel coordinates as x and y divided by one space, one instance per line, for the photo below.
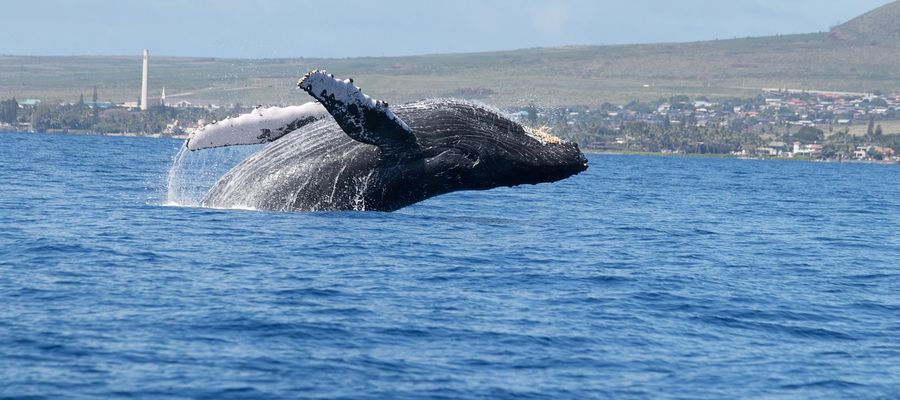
258 126
193 172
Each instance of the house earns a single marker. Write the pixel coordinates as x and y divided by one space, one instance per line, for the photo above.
885 151
100 105
861 152
767 151
806 149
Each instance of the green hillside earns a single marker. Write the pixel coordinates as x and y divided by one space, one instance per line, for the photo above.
881 24
861 55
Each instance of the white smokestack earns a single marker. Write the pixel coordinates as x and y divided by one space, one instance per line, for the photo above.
144 81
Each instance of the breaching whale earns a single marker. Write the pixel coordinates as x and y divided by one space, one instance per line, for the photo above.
347 151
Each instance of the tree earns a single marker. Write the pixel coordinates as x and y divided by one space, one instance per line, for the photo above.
875 155
871 128
878 131
809 134
95 111
9 110
879 102
40 117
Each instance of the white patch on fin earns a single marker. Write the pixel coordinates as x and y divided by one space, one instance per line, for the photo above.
363 118
261 125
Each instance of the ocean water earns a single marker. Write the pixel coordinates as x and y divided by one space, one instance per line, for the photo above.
644 277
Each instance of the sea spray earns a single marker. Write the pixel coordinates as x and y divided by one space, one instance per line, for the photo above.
193 173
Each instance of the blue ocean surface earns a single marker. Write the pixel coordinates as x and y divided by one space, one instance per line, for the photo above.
643 277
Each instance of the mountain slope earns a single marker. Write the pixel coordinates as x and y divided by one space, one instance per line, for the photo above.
541 76
880 23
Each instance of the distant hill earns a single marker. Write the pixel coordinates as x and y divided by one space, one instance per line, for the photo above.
882 23
858 56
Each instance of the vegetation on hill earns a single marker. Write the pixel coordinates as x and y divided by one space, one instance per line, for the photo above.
880 24
862 55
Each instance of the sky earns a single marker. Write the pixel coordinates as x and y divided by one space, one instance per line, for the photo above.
344 28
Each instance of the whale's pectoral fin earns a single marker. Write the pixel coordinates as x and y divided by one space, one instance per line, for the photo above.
363 118
262 125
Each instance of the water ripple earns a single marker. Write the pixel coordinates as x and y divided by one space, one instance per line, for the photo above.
644 277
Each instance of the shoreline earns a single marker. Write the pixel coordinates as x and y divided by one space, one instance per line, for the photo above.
586 150
122 134
734 156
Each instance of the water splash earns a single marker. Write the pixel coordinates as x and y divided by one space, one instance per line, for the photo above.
193 173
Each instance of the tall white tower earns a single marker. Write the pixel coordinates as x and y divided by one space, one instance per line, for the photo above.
144 81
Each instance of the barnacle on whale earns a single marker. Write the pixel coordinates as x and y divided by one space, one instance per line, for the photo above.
542 133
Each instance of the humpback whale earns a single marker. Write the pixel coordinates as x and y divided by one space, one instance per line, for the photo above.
347 151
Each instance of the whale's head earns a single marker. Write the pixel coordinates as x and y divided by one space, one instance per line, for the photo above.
438 146
474 147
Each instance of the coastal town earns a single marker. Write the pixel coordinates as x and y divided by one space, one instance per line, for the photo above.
777 123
